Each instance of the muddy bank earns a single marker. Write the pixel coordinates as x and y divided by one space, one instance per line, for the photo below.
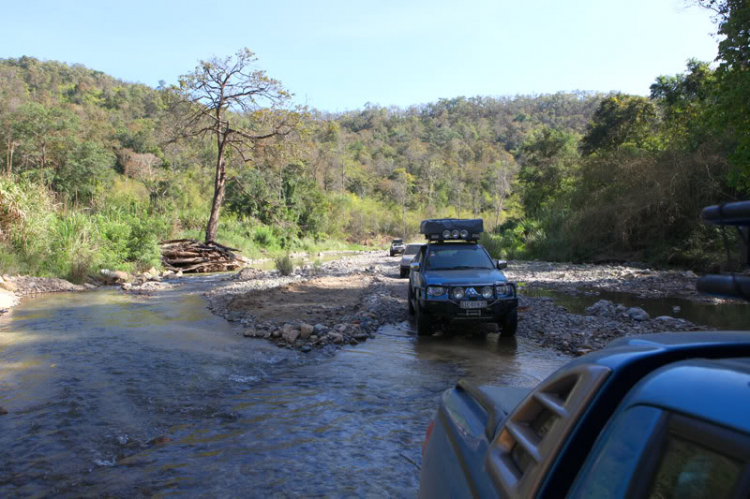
342 302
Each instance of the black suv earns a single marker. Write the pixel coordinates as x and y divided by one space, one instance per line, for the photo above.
454 279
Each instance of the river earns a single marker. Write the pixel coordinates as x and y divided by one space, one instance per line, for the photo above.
113 395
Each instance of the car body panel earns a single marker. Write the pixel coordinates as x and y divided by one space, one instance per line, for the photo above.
675 372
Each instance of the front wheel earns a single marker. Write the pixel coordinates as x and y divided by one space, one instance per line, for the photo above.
403 273
409 299
424 324
509 324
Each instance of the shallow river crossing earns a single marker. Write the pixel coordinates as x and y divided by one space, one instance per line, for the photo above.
121 396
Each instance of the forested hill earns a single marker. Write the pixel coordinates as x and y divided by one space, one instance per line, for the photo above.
96 171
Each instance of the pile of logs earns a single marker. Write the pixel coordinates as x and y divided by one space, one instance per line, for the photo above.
189 255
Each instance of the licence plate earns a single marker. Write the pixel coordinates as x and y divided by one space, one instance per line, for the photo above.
474 304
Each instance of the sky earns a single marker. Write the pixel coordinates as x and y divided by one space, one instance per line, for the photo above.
338 55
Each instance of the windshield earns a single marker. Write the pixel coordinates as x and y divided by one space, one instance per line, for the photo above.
462 257
412 249
397 241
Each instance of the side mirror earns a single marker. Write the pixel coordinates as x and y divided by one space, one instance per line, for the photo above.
414 266
502 264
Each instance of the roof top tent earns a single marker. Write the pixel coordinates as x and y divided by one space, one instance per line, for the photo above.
452 229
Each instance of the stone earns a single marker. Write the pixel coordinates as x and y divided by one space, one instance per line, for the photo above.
638 314
290 333
319 328
676 309
690 274
249 333
178 274
313 338
306 330
7 299
602 307
3 411
167 274
8 286
115 276
336 338
276 334
306 348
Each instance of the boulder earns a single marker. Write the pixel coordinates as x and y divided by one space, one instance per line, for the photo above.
290 333
115 276
638 314
602 307
336 338
7 299
306 330
250 333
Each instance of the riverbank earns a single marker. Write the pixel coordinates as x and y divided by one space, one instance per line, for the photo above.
13 288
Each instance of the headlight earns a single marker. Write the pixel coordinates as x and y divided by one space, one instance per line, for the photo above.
435 290
487 292
454 234
458 293
446 234
464 234
502 289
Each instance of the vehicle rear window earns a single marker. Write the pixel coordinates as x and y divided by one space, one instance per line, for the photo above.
412 249
460 257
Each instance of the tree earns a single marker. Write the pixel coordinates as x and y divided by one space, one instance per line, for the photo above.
620 119
498 182
239 106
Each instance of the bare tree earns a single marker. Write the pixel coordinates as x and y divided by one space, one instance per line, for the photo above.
239 105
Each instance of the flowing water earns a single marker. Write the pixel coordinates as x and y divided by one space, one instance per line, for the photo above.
120 396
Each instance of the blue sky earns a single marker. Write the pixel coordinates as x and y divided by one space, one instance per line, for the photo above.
337 55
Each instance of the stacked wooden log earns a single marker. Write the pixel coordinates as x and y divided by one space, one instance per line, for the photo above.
189 255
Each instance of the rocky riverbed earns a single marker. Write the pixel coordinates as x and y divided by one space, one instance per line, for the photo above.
582 278
345 302
342 302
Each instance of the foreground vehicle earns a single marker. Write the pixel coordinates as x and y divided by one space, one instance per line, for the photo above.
662 415
409 254
397 247
454 279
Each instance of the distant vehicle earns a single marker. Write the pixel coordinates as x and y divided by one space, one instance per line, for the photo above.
453 279
661 415
409 254
397 247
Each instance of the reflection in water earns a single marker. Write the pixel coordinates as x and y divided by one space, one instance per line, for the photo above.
732 315
114 395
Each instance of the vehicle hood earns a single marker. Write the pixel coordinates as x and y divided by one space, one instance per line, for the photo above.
458 277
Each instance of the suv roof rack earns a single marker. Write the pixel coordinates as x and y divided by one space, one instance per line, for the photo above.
452 229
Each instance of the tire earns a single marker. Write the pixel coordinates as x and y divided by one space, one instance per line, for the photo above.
509 324
409 300
403 273
424 324
391 253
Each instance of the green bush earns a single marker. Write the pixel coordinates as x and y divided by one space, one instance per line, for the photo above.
284 264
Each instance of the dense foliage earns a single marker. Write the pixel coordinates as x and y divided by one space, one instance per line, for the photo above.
96 171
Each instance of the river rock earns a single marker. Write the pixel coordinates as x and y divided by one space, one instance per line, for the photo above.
320 329
306 330
276 334
336 338
290 333
638 314
306 348
602 307
7 299
249 333
3 411
115 276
